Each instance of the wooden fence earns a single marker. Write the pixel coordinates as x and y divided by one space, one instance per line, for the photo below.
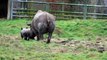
27 9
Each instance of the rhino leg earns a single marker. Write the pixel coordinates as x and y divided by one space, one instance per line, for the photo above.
49 37
21 35
50 31
38 38
25 38
41 37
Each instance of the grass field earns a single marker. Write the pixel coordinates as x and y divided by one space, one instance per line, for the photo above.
72 40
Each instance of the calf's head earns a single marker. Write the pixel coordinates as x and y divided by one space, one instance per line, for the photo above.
27 34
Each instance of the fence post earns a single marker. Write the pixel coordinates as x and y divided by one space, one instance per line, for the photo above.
11 11
47 6
62 9
84 11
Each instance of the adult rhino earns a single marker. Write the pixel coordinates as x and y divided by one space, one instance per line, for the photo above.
43 22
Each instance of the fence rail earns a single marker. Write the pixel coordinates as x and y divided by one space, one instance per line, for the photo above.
28 12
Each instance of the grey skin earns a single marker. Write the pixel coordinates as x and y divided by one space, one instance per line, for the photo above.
44 23
27 34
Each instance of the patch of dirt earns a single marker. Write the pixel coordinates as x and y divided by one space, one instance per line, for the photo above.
76 46
60 45
10 41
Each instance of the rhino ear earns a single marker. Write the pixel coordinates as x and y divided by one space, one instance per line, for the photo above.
26 27
28 24
21 28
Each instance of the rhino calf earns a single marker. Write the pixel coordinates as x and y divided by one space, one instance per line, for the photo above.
26 34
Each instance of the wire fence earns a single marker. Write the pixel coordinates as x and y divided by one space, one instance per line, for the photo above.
66 11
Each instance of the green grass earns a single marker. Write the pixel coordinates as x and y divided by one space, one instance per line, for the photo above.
12 47
79 29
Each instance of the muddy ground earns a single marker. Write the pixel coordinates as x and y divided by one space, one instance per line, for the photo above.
59 45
